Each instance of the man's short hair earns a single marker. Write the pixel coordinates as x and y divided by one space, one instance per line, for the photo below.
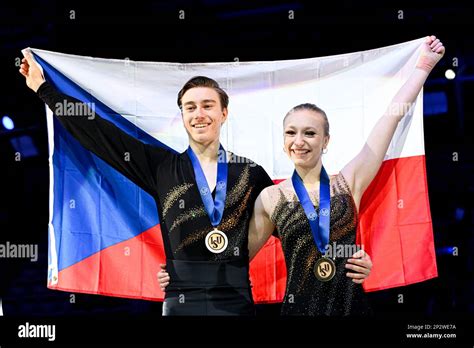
203 81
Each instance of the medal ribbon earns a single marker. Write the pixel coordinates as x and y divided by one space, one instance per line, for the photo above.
214 208
319 224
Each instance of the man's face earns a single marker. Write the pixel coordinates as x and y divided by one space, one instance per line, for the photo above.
203 114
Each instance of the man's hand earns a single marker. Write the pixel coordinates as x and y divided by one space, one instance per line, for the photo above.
163 277
32 71
361 264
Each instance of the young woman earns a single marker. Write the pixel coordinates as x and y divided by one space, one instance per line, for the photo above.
311 210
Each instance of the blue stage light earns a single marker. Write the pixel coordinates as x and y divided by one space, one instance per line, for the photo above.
435 103
459 214
447 250
8 123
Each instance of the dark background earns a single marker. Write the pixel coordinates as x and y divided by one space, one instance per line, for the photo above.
214 31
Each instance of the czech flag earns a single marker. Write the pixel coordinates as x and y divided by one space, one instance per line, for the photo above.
104 233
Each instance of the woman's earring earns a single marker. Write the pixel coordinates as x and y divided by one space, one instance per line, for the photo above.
325 151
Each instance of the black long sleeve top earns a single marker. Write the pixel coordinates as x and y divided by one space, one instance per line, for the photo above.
169 178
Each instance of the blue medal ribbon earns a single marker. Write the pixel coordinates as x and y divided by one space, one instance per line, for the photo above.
214 208
319 224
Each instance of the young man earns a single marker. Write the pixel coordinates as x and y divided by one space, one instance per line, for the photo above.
206 242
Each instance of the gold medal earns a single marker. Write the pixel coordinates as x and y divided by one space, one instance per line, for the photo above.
216 241
324 269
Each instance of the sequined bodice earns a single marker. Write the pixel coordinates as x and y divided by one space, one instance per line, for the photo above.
305 295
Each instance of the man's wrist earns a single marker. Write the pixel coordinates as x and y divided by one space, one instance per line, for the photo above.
38 86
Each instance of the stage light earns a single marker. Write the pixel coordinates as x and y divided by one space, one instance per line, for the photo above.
447 250
24 144
435 103
459 214
450 74
8 123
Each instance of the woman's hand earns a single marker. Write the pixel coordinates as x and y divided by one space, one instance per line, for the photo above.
432 50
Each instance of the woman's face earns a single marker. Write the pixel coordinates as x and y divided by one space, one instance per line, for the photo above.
304 137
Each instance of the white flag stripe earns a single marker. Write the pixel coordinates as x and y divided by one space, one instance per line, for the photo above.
53 264
354 89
